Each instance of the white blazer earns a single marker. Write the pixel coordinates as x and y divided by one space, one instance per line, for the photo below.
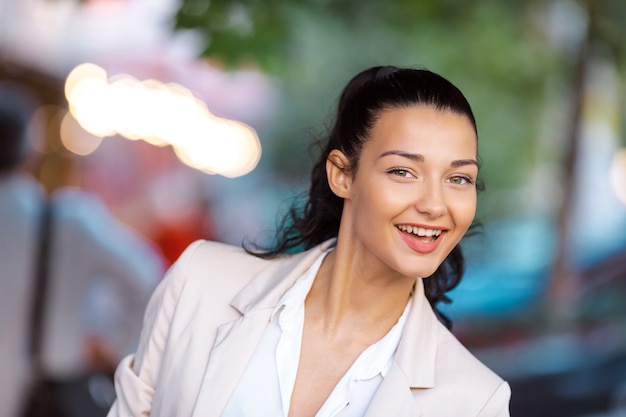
206 317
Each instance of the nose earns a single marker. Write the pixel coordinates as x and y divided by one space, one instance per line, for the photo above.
430 200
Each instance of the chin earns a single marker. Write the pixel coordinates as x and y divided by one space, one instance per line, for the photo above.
418 265
426 274
424 271
419 272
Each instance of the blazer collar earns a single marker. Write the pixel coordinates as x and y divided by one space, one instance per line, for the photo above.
393 397
235 341
417 349
414 365
266 288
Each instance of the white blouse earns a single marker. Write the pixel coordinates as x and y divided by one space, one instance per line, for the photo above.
266 386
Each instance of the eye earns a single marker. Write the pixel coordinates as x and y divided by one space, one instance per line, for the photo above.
460 180
401 172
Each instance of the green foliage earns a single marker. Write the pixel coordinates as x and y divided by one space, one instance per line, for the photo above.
237 32
497 52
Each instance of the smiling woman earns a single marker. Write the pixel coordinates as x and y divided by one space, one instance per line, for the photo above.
409 177
340 317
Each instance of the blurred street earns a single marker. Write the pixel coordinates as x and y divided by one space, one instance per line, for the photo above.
193 120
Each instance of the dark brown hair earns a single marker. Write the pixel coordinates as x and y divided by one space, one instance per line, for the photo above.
363 99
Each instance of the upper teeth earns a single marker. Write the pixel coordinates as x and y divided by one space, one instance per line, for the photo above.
419 231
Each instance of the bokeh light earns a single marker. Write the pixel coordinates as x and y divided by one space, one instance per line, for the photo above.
160 114
75 138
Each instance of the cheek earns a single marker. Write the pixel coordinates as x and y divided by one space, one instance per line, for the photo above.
380 202
369 194
464 212
373 207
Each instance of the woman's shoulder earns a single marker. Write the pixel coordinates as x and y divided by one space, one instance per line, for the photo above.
209 272
204 279
206 255
212 258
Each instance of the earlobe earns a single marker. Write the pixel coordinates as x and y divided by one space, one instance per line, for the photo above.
337 172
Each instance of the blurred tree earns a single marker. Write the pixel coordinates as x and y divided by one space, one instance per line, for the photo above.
493 50
520 63
602 39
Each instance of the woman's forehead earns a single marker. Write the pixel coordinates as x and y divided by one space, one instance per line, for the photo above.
422 125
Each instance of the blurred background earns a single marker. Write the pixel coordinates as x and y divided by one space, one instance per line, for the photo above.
194 119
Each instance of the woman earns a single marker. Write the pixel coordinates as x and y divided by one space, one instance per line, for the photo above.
347 326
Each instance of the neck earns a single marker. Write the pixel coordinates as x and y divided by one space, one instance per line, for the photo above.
344 294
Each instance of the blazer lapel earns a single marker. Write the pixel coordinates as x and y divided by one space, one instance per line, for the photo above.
236 341
414 365
417 350
235 344
394 397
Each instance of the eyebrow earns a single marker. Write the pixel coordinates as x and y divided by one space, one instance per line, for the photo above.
463 162
412 156
420 158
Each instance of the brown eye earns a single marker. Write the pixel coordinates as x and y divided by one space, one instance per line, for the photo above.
400 172
460 180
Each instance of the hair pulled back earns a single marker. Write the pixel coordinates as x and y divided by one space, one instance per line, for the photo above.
364 98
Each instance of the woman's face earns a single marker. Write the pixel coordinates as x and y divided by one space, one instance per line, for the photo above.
413 196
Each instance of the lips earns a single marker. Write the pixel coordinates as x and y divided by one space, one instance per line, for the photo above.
420 239
419 231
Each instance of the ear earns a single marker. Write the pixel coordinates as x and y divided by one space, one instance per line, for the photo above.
337 172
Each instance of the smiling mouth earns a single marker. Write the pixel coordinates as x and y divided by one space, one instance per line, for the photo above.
429 235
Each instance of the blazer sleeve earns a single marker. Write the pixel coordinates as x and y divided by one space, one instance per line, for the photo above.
498 403
137 374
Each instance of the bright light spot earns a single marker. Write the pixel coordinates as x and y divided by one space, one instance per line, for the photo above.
160 114
90 103
618 175
126 93
222 146
75 138
81 73
151 113
240 149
